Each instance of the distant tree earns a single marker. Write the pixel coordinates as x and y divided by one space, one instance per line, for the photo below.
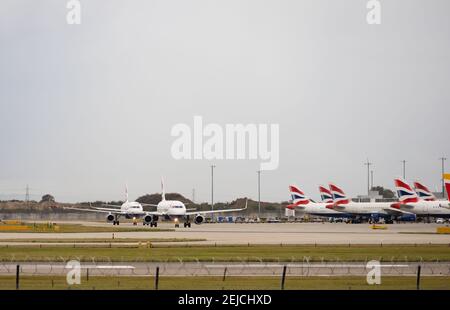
384 192
47 198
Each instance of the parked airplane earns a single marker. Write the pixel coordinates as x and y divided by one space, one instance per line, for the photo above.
304 204
325 194
409 201
446 177
423 192
371 211
167 209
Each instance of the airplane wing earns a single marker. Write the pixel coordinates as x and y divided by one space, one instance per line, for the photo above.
217 211
99 210
108 205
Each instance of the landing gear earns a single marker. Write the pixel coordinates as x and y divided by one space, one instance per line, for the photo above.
177 225
116 222
187 222
154 224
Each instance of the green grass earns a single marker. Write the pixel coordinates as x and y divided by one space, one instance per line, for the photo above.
78 228
226 253
230 283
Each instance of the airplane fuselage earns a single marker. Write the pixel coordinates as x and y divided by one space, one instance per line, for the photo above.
320 209
437 208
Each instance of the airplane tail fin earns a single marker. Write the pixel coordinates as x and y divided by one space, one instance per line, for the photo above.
405 192
446 177
339 197
163 193
298 197
423 192
325 194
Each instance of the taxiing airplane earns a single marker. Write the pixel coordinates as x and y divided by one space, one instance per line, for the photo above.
409 201
128 209
173 210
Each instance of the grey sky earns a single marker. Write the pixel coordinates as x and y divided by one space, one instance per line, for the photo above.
86 108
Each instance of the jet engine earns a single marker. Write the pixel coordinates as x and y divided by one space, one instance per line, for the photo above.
148 219
110 217
199 219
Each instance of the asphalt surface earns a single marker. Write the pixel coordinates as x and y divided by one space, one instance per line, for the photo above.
268 233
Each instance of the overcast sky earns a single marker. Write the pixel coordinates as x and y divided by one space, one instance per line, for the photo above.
86 108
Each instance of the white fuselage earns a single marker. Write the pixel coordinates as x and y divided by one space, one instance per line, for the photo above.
171 208
320 209
132 208
439 208
364 208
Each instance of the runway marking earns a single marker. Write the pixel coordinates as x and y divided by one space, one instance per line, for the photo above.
105 267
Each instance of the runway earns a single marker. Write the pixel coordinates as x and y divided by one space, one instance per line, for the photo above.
230 269
266 233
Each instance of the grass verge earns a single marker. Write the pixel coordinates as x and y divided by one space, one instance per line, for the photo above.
230 283
267 253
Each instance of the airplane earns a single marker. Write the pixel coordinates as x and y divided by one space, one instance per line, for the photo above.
410 201
128 209
372 211
423 192
304 204
325 194
176 210
168 209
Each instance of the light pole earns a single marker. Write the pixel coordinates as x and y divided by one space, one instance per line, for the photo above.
442 175
371 178
404 169
212 191
368 164
259 193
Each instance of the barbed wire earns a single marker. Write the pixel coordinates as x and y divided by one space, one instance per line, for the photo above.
242 267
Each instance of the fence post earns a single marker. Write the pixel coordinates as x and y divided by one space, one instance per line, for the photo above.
418 277
157 278
17 276
224 274
283 277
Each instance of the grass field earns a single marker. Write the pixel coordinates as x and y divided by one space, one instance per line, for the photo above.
226 253
230 283
70 228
